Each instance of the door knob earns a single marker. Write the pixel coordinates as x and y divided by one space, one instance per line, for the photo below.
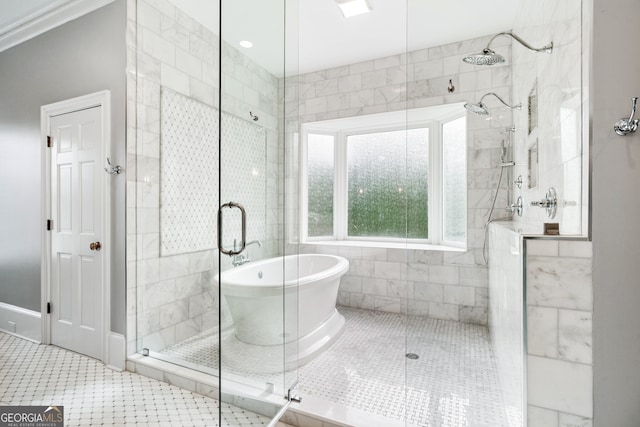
95 246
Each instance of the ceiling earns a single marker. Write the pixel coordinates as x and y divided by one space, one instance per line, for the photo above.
317 36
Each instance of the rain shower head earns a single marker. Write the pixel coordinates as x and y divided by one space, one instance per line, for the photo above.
489 57
482 109
478 108
486 57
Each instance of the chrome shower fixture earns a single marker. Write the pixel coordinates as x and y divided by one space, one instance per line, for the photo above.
478 108
486 57
489 57
482 109
550 202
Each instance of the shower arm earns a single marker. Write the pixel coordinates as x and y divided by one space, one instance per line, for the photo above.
513 107
547 49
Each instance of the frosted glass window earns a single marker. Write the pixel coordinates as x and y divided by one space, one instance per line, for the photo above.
454 180
387 179
320 172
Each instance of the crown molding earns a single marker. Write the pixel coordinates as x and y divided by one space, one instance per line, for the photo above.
53 15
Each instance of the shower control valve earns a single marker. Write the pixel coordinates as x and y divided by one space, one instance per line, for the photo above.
518 182
550 202
516 207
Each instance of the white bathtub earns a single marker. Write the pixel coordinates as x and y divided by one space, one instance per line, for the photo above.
285 300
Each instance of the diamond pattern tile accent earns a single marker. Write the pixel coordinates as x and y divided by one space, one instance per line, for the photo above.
189 165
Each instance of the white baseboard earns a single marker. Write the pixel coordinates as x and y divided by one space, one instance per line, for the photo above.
116 356
21 322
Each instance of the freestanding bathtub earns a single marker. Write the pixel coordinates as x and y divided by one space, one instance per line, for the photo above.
282 300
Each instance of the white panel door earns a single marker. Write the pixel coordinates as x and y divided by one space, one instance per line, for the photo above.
76 264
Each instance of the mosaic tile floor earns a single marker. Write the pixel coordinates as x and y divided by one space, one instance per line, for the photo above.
94 395
453 382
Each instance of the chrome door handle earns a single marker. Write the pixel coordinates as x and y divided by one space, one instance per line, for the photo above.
95 246
243 241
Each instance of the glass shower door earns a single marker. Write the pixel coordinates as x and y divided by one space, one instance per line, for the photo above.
257 282
207 202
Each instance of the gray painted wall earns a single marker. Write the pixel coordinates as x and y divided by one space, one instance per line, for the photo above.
616 217
83 56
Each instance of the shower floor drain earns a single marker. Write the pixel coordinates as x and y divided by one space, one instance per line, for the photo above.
412 356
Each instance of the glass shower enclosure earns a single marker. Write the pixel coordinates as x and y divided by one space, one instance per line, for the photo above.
209 158
231 117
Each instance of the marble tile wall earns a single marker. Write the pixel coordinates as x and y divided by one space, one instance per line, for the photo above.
559 333
170 298
560 129
440 284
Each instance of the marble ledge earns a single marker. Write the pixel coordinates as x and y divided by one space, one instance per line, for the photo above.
313 411
535 231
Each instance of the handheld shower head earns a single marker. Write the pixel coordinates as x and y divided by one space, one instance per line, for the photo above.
482 109
489 57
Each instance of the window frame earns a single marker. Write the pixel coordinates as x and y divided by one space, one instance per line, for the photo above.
435 207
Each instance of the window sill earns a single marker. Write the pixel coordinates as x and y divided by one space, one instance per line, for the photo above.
385 245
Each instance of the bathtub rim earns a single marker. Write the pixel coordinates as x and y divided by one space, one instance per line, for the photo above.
338 270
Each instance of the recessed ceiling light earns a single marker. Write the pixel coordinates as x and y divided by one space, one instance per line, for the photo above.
246 44
351 8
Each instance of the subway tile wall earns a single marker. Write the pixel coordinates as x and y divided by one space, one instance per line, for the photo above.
177 52
170 298
441 284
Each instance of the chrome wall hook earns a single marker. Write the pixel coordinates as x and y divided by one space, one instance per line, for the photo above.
111 169
626 126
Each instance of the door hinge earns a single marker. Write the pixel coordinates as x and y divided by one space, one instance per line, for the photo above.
48 308
49 141
48 225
